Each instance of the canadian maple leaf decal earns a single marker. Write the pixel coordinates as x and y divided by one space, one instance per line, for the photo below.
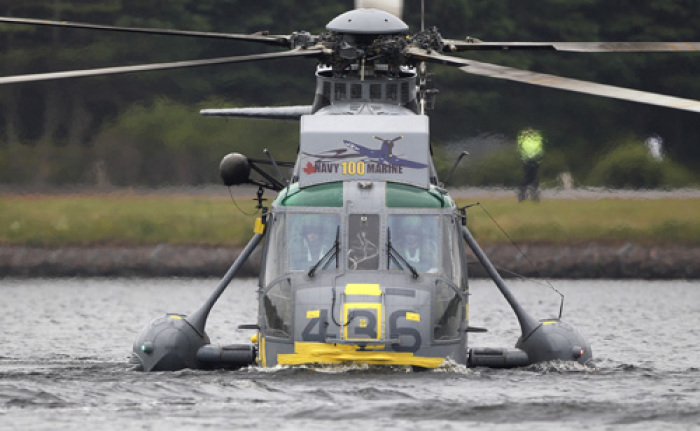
309 169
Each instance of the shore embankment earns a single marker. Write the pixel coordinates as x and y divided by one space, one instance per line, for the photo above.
580 261
185 232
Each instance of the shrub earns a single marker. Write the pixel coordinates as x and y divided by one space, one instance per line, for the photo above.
499 168
169 143
630 166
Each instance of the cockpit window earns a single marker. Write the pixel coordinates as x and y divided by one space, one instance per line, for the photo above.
363 239
415 238
274 264
339 93
375 91
391 92
277 307
428 243
311 237
452 252
356 91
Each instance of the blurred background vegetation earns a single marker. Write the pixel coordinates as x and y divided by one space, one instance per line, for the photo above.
144 128
130 219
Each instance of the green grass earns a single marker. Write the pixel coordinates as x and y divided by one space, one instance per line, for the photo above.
646 221
122 220
146 220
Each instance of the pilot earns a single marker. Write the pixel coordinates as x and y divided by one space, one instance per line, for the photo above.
308 249
415 247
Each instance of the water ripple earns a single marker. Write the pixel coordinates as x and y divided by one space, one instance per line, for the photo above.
64 366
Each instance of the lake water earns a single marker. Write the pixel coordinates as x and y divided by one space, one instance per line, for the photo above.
64 346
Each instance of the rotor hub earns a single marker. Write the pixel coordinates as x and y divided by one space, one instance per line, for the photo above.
367 21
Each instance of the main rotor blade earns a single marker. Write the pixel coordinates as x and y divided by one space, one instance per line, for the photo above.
299 52
262 38
553 81
477 45
268 112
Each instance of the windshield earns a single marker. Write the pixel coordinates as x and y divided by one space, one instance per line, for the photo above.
419 243
310 238
416 239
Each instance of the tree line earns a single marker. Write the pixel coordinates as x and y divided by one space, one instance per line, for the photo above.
144 128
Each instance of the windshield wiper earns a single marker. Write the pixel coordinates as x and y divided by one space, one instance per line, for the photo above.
395 256
334 251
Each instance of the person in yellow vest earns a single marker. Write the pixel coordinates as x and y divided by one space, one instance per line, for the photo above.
531 150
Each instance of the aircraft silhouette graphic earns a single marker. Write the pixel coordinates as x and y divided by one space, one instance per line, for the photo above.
385 154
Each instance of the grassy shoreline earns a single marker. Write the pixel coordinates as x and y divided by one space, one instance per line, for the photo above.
49 220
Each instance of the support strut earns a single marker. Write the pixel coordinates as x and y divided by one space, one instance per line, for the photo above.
175 341
540 341
527 322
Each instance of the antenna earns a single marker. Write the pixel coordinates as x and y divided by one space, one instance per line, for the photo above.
274 163
449 174
422 15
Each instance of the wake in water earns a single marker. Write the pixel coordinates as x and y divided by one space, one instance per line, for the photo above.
449 366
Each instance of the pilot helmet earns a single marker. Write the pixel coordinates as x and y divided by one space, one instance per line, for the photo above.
312 224
411 225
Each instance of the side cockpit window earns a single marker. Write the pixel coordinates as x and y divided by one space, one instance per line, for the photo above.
452 252
275 238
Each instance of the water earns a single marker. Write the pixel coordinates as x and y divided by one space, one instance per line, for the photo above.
64 346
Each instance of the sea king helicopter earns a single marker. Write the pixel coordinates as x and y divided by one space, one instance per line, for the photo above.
364 255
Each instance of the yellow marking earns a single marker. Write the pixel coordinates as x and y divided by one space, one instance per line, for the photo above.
363 289
313 314
326 353
682 46
363 306
174 316
412 316
466 311
259 226
363 323
549 322
262 352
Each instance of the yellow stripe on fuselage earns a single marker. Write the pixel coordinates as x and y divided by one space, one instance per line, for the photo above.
326 353
262 352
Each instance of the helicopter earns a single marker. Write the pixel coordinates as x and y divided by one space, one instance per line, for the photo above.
364 250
